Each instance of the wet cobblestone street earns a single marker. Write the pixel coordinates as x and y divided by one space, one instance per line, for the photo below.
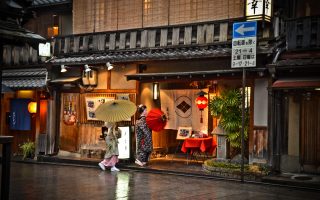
47 181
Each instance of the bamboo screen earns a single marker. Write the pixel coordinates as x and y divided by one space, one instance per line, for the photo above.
188 11
106 15
129 14
83 16
236 8
111 15
155 13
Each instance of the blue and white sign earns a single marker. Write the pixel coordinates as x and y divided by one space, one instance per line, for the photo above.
244 44
244 29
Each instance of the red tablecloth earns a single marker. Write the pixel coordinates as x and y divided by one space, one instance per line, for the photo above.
202 144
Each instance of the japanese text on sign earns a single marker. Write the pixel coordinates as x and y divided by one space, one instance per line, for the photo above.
243 52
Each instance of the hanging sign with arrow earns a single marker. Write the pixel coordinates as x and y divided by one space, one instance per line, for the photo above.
244 44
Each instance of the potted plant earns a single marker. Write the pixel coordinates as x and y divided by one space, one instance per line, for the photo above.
227 108
28 149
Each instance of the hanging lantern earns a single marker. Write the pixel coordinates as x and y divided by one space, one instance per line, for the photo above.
32 107
259 10
201 102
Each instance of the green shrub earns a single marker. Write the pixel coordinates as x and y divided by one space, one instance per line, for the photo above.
28 149
253 168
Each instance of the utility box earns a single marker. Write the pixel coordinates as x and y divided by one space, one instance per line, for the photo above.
221 142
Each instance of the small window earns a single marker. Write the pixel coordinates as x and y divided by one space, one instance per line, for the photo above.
54 29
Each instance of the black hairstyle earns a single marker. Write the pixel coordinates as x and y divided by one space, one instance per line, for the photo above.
141 108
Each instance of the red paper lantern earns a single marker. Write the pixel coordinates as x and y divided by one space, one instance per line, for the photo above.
202 102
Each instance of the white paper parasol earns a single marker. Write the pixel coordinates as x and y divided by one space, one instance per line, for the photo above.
115 110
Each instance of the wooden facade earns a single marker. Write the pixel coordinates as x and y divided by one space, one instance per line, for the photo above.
114 15
123 27
200 34
19 55
303 33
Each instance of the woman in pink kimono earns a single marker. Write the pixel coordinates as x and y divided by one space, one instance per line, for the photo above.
112 151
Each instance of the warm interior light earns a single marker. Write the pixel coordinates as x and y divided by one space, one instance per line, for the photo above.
63 68
110 67
32 107
156 91
87 68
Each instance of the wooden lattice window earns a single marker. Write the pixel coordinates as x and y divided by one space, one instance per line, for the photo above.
83 16
129 14
106 15
155 13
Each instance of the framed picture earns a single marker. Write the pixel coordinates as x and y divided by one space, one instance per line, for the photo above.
184 132
92 103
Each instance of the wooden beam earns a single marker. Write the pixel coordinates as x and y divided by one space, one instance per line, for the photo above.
223 36
122 40
151 38
7 54
187 35
291 34
163 37
133 39
95 42
306 32
175 36
144 37
76 42
210 33
101 42
66 45
85 43
112 41
200 34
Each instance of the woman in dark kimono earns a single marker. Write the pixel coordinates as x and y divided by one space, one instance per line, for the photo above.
143 137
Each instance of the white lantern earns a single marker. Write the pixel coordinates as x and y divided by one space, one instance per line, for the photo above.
259 10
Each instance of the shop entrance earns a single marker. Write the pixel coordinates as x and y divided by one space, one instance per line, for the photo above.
310 131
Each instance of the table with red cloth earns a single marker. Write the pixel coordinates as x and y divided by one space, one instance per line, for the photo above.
196 145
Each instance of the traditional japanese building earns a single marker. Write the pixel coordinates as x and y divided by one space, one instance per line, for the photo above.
104 50
294 93
177 46
23 78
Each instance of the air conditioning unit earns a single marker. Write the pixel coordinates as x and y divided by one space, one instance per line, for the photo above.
85 78
93 78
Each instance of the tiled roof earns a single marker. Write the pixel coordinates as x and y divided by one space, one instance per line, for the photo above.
153 54
149 54
48 2
191 74
25 78
11 30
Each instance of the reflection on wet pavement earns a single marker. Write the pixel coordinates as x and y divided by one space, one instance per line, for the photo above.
50 182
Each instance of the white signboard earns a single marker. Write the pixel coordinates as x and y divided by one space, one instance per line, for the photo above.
244 52
124 143
44 49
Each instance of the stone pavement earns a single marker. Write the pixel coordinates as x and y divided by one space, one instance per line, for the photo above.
49 181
